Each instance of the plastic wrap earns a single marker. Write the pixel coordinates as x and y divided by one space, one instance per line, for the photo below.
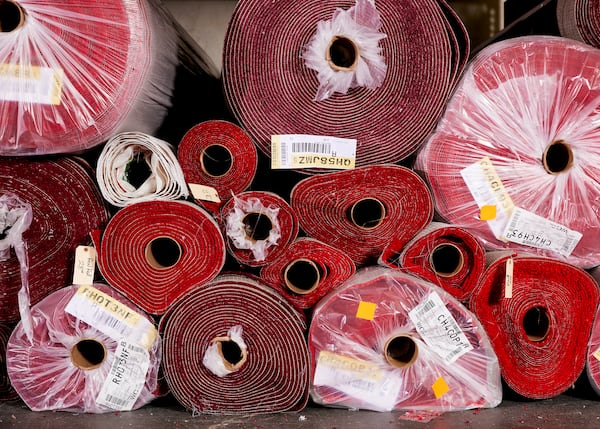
515 157
386 340
103 361
7 393
579 20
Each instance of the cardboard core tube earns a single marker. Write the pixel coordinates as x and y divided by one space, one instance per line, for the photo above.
12 16
302 276
88 354
258 226
558 157
216 160
401 351
536 324
231 353
446 260
342 54
163 252
367 213
137 170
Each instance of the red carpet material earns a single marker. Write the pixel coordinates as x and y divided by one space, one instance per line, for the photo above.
155 251
7 392
90 364
425 51
540 333
522 130
360 211
446 255
579 20
248 334
66 205
593 351
306 271
386 340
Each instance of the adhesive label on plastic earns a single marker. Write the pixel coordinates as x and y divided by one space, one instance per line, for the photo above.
487 190
299 151
439 329
31 84
85 265
440 388
366 310
359 379
532 230
126 378
204 193
508 278
111 317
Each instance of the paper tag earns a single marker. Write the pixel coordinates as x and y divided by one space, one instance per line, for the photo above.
362 380
31 84
126 378
532 230
111 317
439 329
366 310
204 193
508 278
440 388
306 151
85 265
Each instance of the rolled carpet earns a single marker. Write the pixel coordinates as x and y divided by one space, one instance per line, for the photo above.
235 347
386 340
593 350
370 205
579 20
7 392
538 313
519 139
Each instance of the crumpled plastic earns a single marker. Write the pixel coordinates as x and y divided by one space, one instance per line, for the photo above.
213 357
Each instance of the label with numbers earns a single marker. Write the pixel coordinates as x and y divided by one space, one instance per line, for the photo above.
85 265
30 84
204 193
306 151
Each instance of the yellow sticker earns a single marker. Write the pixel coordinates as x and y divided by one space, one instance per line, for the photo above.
366 310
365 370
85 265
204 193
440 388
276 152
487 213
508 278
597 354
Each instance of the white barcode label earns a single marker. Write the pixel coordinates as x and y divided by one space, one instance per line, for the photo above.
111 317
439 329
532 230
307 151
30 84
126 378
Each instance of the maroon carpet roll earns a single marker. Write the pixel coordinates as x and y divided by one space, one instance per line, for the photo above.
425 49
579 20
361 211
593 351
66 205
155 251
220 155
446 255
539 320
306 271
235 347
7 392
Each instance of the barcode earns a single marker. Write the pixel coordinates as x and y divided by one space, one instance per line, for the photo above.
102 318
453 353
284 154
114 400
566 248
428 306
311 147
514 220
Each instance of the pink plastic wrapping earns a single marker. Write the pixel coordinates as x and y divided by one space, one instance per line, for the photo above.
515 158
386 340
104 359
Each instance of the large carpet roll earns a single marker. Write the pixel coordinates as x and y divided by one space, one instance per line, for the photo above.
361 211
7 392
593 351
92 351
386 340
538 313
424 48
236 347
515 157
446 255
155 251
66 205
307 270
579 20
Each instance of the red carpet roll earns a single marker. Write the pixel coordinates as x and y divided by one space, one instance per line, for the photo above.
66 205
386 340
593 351
448 256
235 347
519 139
104 360
306 271
155 251
539 321
424 48
579 20
7 392
361 211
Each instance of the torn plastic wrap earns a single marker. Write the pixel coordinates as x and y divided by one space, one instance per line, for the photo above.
515 157
93 351
236 347
579 20
538 312
386 340
135 167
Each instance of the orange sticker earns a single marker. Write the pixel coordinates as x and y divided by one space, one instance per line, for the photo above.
440 388
487 213
366 310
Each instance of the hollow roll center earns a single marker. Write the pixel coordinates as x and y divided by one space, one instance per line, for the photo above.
302 276
163 252
137 170
446 260
216 160
88 354
367 213
558 157
257 226
342 53
12 16
401 351
232 355
536 323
